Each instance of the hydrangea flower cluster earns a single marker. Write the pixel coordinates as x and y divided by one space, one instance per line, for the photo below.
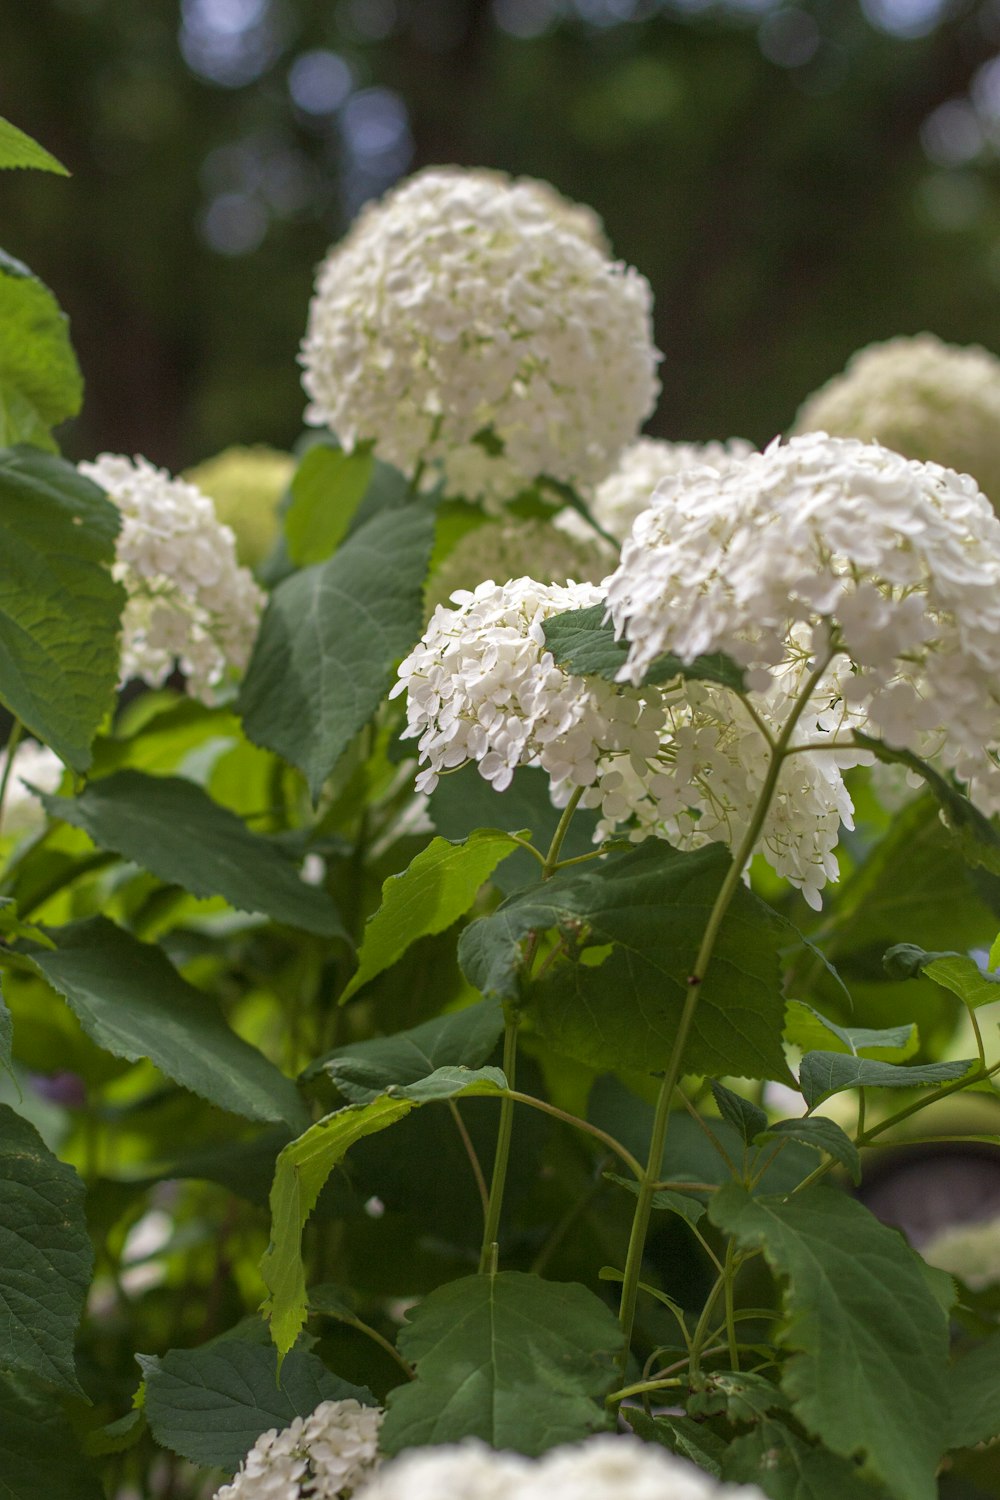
600 1468
189 601
969 1251
328 1455
34 763
630 487
466 320
245 485
893 564
921 397
685 762
511 549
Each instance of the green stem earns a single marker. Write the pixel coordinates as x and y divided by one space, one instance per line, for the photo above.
598 1134
470 1151
729 1276
661 1119
13 739
562 828
488 1253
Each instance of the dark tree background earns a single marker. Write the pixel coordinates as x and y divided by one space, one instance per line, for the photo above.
795 180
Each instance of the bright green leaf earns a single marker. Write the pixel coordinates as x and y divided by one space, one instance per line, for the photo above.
19 150
45 1257
974 1386
330 637
40 1458
786 1467
211 1404
40 380
965 979
650 907
59 607
462 1038
824 1135
304 1166
327 488
174 829
870 1343
438 887
131 1001
749 1119
516 1361
581 641
806 1029
824 1073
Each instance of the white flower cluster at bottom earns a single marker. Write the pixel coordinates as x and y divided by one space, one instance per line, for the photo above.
602 1468
34 764
325 1456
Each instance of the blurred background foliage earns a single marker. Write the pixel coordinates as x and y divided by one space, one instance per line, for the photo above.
795 179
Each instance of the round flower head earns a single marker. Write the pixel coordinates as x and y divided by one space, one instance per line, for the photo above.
328 1455
629 488
35 764
922 398
969 1251
894 564
245 485
188 599
465 1471
464 321
518 547
622 1468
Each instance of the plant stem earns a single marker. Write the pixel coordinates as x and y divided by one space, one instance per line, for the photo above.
598 1134
661 1119
729 1276
13 739
470 1151
488 1253
562 828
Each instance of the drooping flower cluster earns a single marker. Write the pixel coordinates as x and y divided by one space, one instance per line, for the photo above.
685 762
328 1455
921 397
629 488
600 1468
37 765
513 548
467 321
892 564
189 601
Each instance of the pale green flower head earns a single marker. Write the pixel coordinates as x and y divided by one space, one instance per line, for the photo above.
246 485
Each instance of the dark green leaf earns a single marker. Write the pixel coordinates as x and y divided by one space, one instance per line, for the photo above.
131 1000
787 1468
59 607
870 1343
688 1209
40 1458
329 640
974 1386
739 1395
19 150
438 887
40 381
824 1073
463 1038
211 1404
45 1256
519 1362
749 1119
174 829
806 1029
117 1436
693 1440
327 488
581 641
824 1135
649 907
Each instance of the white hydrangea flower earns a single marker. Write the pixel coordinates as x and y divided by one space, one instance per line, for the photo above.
629 488
463 305
327 1455
189 601
900 559
685 762
514 548
921 397
37 764
969 1251
463 1471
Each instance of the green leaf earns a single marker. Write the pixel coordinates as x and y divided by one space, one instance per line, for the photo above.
462 1038
965 979
649 907
174 829
977 836
40 380
45 1256
824 1135
330 637
692 1440
974 1384
787 1468
438 887
117 1436
824 1073
807 1029
688 1209
304 1166
131 1001
869 1340
739 1395
19 150
211 1404
327 488
516 1361
749 1119
40 1458
59 606
582 643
